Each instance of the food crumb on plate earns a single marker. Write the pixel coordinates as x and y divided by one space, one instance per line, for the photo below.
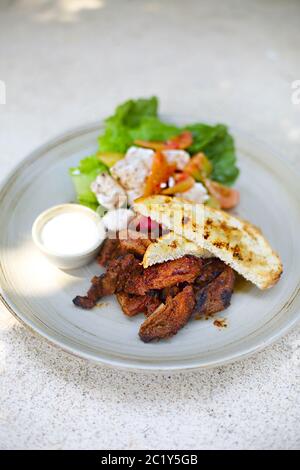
102 304
220 323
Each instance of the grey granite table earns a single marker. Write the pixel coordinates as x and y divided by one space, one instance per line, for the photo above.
68 62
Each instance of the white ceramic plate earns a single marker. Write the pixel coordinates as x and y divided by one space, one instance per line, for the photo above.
40 295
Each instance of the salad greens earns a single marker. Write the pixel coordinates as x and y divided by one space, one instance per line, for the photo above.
83 175
138 120
218 146
131 113
152 129
134 119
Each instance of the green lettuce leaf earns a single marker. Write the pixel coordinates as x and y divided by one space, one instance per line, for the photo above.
116 138
137 119
151 128
91 205
83 175
129 115
218 146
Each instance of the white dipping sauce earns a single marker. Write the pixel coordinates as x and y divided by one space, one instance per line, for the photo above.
71 233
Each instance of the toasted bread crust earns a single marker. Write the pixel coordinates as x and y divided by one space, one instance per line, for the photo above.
169 247
236 242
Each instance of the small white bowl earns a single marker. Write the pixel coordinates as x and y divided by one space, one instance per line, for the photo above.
67 261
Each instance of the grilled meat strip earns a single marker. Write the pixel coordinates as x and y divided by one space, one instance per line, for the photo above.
119 271
168 319
128 241
216 295
110 250
170 292
167 274
134 304
136 246
212 267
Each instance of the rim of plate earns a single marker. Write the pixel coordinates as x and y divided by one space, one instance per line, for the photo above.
269 337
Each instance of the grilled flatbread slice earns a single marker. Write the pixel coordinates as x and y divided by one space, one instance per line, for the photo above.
171 246
236 242
179 215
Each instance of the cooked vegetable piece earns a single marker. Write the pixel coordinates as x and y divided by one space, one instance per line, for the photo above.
199 167
218 146
181 142
157 146
109 158
183 182
160 173
227 197
136 120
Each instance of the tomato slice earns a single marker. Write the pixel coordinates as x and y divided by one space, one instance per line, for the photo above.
181 141
160 173
184 182
157 146
227 197
199 166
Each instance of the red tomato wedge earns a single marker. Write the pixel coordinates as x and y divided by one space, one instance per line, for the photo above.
181 141
227 197
199 166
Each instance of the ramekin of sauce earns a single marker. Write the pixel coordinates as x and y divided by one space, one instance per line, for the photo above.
69 235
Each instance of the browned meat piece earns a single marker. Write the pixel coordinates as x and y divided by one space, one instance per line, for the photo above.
128 242
133 235
169 292
216 295
118 272
110 249
212 267
134 304
153 303
167 320
135 246
167 274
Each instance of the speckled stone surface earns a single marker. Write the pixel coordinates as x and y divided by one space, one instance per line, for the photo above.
68 62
